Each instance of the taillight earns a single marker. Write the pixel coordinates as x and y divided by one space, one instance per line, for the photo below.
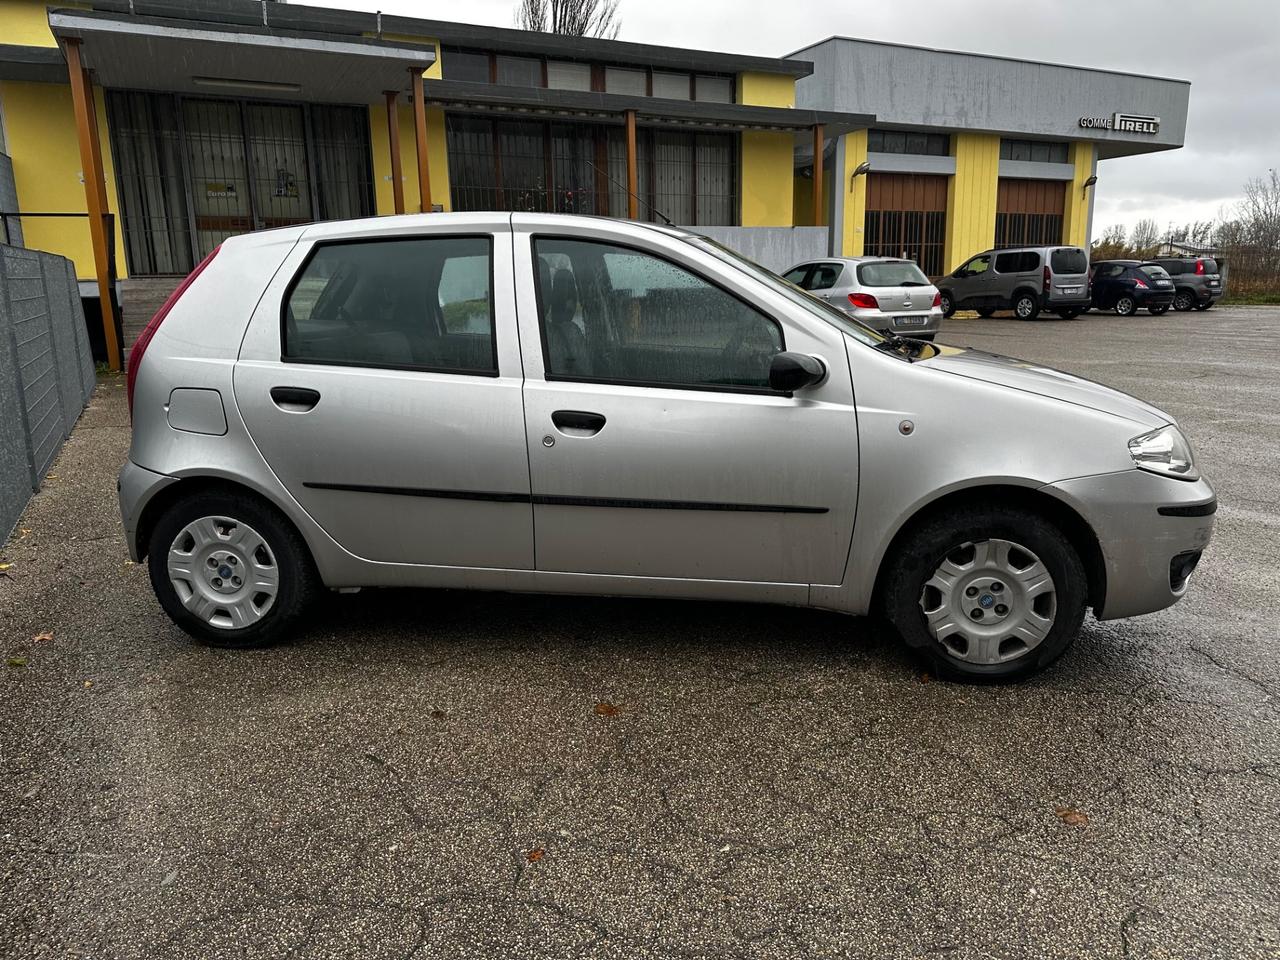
937 299
864 301
1141 285
1048 278
144 338
1199 268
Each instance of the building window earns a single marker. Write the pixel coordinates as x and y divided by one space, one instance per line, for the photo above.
907 217
518 71
714 89
1029 212
464 65
672 86
562 75
910 142
1039 151
629 82
565 167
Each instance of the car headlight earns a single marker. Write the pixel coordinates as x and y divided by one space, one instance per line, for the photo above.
1164 451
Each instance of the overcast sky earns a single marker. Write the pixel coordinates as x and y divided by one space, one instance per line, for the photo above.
1228 49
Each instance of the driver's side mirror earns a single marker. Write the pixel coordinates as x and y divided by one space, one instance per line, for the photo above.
792 371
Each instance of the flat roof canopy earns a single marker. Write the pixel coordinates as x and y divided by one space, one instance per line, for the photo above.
186 56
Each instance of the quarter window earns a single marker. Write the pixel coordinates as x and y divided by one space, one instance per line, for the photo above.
824 276
619 315
1017 262
418 304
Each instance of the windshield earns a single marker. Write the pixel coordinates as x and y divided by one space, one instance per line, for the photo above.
1069 260
812 304
891 273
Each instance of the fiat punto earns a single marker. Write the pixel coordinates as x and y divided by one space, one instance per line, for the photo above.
580 405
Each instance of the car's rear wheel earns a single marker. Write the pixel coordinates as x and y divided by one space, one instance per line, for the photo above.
230 571
1126 306
1068 314
1183 301
1026 306
1204 305
986 592
985 312
1158 309
948 305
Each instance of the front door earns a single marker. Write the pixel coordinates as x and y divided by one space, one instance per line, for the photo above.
381 381
656 448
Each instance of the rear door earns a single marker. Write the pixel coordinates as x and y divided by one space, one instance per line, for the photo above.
1069 273
656 449
381 381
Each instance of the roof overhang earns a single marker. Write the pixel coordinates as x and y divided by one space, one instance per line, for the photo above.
38 64
612 108
198 57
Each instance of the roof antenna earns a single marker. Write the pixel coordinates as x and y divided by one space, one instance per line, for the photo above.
665 218
379 24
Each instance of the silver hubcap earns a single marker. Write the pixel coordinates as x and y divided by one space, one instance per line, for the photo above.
1125 305
1024 307
989 602
223 572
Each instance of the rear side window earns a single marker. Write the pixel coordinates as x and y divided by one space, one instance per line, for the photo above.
412 303
615 314
1105 270
796 276
1174 267
899 273
824 276
1069 260
1021 261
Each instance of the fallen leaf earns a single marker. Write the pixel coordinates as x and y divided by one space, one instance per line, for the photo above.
607 709
17 661
88 684
171 876
1071 816
6 566
536 854
43 637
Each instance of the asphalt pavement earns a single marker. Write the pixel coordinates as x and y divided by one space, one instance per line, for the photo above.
430 774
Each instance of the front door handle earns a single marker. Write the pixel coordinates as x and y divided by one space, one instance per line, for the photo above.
295 399
578 423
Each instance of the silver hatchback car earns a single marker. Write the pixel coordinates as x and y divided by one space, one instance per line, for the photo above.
888 294
580 405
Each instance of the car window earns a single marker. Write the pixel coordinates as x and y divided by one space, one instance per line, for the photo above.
620 315
1155 271
1106 270
412 303
797 275
977 265
824 276
1069 260
1210 265
892 273
1020 261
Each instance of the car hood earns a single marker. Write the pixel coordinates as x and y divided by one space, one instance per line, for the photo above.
1045 382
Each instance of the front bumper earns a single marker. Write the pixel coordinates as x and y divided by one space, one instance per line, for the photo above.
1143 522
136 486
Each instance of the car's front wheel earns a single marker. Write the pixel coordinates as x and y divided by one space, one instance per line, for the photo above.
986 592
229 570
1204 305
1126 306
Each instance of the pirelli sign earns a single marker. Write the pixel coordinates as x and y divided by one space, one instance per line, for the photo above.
1123 123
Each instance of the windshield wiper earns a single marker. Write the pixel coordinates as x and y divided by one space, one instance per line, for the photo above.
893 343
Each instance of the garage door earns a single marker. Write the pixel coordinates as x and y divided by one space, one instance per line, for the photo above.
1029 212
906 217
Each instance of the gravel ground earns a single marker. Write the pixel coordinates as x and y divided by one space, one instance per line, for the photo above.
432 774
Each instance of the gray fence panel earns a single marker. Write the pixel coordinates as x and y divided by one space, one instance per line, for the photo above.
773 247
46 371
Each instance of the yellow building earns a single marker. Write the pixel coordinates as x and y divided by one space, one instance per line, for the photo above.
199 121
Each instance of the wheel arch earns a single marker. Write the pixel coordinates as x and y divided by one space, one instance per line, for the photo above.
1019 291
1061 514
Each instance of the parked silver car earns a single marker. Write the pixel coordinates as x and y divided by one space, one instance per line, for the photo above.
1025 280
582 405
886 293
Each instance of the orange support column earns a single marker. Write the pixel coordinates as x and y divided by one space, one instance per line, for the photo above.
633 169
95 193
393 141
420 130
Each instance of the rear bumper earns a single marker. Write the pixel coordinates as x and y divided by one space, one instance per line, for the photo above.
1145 298
136 486
892 323
1150 528
1064 303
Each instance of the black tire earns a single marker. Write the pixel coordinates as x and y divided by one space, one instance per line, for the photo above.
1204 305
917 556
1068 314
1125 306
948 305
299 583
1183 300
926 337
985 312
1158 310
1026 306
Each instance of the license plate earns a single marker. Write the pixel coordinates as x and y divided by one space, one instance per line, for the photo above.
1164 283
1213 283
910 321
1069 290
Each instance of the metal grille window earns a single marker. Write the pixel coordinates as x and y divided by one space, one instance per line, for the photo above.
561 167
193 171
907 217
1029 212
1028 229
909 142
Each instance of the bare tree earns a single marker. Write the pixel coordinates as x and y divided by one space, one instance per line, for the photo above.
1112 245
1145 237
570 18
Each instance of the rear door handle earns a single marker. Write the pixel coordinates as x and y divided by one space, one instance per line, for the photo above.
295 399
578 423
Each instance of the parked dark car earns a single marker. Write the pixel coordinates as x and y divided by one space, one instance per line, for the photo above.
1197 281
1126 286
